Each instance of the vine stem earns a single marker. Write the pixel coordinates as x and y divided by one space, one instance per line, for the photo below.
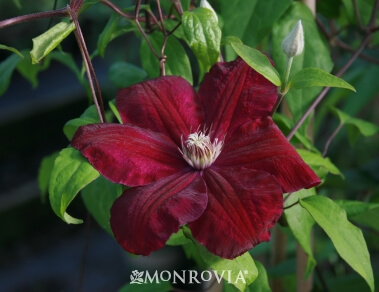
160 24
136 19
178 6
63 12
331 138
289 206
94 85
373 15
326 89
277 103
117 9
346 47
163 58
54 9
321 278
357 15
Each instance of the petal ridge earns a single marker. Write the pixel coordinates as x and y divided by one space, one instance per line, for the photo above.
260 145
128 155
241 95
167 105
157 210
242 206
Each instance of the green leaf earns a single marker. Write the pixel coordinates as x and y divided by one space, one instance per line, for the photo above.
312 77
236 15
123 74
13 50
242 269
365 128
258 62
147 287
177 239
172 24
364 9
354 208
330 9
29 70
98 197
168 7
370 218
6 68
300 224
261 284
286 125
318 163
87 4
228 40
17 3
365 81
347 239
265 14
366 214
177 60
44 173
316 54
191 252
122 29
71 173
203 35
251 21
112 106
89 116
48 41
113 29
106 35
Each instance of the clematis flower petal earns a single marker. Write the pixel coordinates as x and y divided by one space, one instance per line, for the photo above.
143 218
128 155
242 206
260 145
167 105
233 94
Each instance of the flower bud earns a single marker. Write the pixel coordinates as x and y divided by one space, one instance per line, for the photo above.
205 4
293 43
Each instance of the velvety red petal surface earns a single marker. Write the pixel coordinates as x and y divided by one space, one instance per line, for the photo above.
242 206
143 218
260 145
232 94
128 155
167 105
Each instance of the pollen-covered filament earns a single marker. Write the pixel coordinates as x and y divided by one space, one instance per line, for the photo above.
199 151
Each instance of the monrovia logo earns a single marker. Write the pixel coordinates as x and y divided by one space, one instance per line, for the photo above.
136 277
187 276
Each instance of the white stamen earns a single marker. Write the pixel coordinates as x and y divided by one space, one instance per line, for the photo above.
199 151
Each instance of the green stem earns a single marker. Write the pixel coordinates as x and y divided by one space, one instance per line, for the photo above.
326 89
286 75
284 87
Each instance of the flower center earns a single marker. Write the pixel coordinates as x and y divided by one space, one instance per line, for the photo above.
199 151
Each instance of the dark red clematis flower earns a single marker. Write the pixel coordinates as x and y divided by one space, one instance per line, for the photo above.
213 160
